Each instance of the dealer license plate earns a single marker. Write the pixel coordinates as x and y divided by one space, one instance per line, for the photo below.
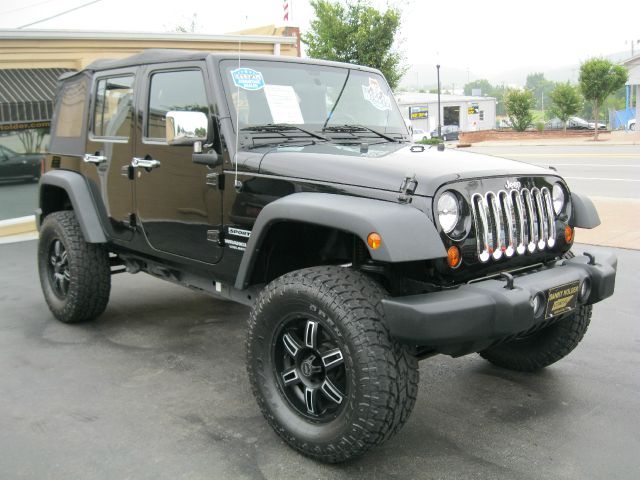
562 299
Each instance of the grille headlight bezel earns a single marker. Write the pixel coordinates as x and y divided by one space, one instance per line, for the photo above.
448 211
558 198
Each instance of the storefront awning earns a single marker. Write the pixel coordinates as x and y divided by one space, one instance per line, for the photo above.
27 94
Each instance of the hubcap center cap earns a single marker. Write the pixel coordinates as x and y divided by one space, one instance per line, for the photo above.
307 368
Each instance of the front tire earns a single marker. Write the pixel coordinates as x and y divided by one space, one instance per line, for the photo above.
325 372
544 347
75 275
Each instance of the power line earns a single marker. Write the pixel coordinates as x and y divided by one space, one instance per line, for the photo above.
61 13
26 6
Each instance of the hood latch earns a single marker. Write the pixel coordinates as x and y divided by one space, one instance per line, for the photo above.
407 189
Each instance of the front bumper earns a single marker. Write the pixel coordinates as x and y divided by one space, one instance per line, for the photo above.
457 320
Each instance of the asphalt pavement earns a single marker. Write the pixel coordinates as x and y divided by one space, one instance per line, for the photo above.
18 199
156 388
597 170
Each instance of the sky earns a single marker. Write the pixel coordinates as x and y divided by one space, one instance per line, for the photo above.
487 37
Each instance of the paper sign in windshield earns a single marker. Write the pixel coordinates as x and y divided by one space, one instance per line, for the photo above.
247 78
283 104
375 95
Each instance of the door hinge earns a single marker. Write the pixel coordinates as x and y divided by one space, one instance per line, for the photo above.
127 171
215 236
130 222
215 180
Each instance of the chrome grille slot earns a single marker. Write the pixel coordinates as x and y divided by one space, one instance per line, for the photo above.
542 223
549 215
513 222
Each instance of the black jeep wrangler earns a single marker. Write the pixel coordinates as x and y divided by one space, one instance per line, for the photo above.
292 186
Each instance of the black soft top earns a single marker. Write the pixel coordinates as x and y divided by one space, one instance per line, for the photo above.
158 55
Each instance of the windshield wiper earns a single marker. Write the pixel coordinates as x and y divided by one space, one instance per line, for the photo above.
358 128
281 127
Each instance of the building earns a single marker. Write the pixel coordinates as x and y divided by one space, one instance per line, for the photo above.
468 113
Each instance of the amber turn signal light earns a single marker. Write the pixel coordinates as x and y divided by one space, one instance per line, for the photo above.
453 256
374 241
568 234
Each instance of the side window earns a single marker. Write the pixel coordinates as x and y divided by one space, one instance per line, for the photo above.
71 109
182 91
112 107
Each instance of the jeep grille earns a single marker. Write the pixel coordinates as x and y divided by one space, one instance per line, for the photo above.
513 222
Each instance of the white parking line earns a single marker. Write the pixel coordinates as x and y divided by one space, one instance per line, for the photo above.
589 165
604 179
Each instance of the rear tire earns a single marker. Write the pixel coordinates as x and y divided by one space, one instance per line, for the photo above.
544 347
75 275
301 323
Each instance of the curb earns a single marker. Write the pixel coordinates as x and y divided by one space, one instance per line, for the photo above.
18 226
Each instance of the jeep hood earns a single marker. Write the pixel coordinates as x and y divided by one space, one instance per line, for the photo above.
385 165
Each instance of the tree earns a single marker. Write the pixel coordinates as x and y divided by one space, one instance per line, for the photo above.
599 78
540 87
518 105
356 33
566 101
484 86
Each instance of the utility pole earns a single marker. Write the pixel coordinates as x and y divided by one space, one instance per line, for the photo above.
439 122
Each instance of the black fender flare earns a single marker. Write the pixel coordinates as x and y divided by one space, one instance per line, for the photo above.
407 233
585 214
81 199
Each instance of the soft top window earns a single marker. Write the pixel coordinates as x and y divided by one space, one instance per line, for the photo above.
69 117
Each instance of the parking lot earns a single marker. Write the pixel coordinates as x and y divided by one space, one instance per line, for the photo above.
156 388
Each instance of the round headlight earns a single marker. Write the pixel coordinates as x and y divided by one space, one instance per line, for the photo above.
558 198
448 211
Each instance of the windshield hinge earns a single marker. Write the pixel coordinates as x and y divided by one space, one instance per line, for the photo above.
407 189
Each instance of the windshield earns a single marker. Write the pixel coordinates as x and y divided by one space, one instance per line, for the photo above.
307 95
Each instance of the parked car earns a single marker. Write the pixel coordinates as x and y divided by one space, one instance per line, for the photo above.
16 166
448 132
577 123
354 267
601 126
419 135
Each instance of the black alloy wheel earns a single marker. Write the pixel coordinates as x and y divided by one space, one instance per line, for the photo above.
58 268
75 276
311 370
325 372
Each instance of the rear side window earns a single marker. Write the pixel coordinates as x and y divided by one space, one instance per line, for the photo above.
181 91
69 122
112 110
71 107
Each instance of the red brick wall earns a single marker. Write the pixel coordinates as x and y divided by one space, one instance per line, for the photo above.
497 135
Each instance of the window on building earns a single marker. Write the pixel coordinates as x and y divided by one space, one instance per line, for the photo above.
174 91
481 114
112 110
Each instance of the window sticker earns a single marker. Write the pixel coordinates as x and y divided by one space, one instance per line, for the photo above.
283 104
247 78
375 95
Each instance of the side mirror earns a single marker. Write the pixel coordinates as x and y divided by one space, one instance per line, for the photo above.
186 128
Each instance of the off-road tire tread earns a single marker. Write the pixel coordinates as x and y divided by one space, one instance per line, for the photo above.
89 268
543 348
392 391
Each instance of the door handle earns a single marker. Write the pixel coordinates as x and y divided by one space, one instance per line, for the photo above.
145 163
97 159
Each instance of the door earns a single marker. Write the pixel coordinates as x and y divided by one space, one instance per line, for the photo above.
179 213
110 148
